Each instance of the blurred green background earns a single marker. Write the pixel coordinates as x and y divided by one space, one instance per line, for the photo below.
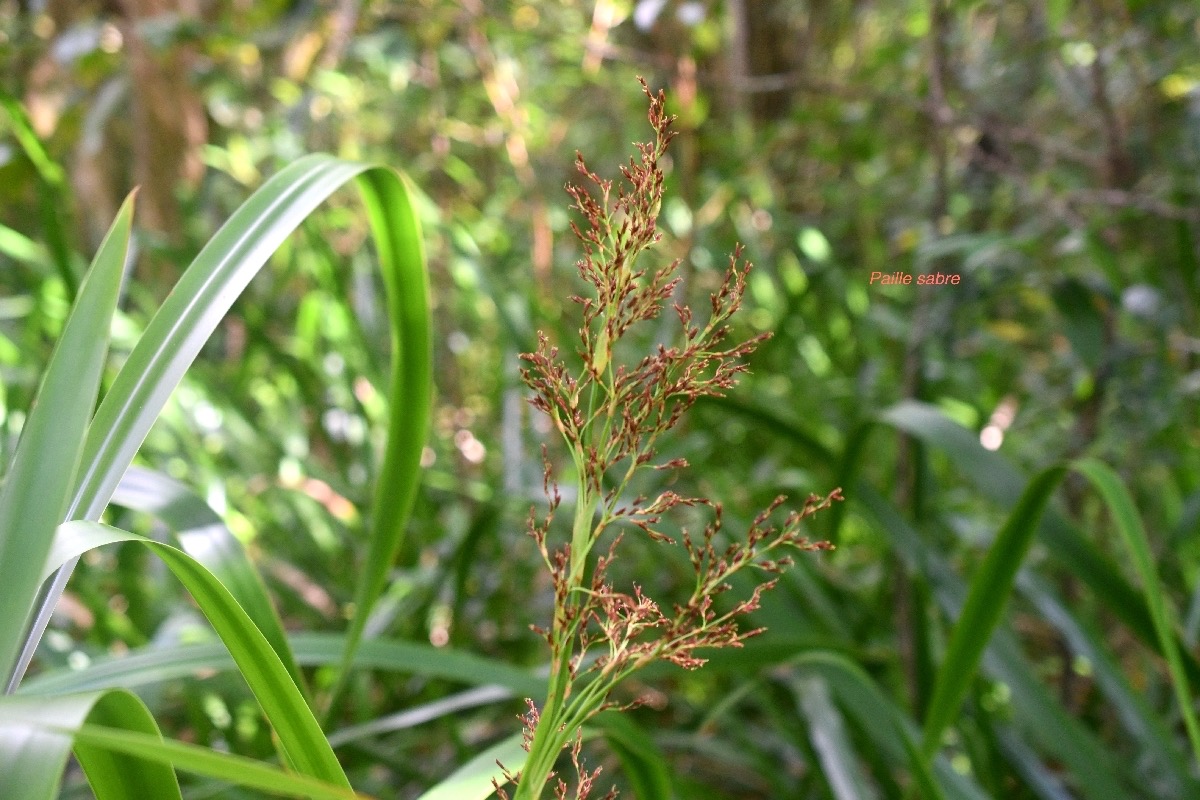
1045 151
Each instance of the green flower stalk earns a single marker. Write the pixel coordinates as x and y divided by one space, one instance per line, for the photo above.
611 414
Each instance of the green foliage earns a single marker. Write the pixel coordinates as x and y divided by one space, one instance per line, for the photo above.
68 462
1004 616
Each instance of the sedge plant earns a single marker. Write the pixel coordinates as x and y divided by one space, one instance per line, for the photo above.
611 412
74 456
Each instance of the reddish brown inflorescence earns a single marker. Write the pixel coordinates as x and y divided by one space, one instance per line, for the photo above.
610 415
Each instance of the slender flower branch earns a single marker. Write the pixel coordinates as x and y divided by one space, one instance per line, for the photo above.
610 414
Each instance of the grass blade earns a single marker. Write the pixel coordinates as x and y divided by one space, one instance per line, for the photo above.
300 736
1129 525
119 776
389 207
22 129
201 299
202 534
839 763
35 495
209 763
996 478
1042 780
984 607
156 664
34 749
51 194
473 780
189 315
642 762
1165 763
21 248
1038 712
894 733
419 715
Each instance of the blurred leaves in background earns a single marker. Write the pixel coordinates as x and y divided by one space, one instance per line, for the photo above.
1047 152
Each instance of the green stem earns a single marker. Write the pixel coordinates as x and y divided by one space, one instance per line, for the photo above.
547 738
550 735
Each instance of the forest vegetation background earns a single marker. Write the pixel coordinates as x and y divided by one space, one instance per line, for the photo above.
1047 152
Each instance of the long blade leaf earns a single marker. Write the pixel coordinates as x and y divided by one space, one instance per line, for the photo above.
1129 525
155 664
394 219
200 300
34 498
827 731
34 748
893 731
996 478
984 607
300 735
473 780
1039 713
209 763
202 534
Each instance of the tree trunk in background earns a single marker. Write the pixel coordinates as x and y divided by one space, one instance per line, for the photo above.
765 56
169 125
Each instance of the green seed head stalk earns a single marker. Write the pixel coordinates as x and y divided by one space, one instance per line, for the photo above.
610 414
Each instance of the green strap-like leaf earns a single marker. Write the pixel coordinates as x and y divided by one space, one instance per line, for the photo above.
21 248
879 718
157 663
1040 714
204 295
1129 525
22 129
209 763
51 191
119 746
389 201
994 580
986 600
201 298
119 776
827 732
36 738
473 780
300 736
1146 728
1042 717
643 763
36 491
32 758
202 534
996 478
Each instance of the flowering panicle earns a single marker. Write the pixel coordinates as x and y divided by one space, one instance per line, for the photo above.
611 411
